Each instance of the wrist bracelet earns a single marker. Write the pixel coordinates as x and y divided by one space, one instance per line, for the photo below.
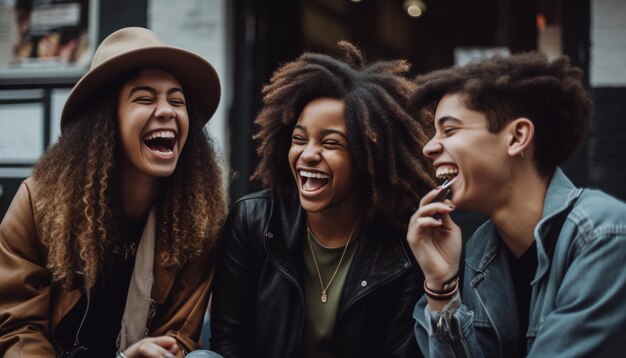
449 288
447 285
441 296
452 281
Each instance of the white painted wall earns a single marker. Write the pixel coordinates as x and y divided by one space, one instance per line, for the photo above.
198 26
608 43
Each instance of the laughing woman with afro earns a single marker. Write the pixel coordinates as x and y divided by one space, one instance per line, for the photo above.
316 264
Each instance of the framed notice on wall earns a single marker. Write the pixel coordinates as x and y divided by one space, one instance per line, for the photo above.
21 133
46 38
22 127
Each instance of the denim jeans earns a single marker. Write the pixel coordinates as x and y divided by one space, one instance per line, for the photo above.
203 353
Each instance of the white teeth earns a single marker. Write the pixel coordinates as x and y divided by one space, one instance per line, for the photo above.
168 152
314 175
161 134
446 172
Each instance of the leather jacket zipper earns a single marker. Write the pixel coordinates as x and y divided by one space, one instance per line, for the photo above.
295 283
293 280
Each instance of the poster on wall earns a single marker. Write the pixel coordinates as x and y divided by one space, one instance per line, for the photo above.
46 38
21 141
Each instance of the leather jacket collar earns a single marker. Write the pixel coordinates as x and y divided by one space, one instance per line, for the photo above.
370 269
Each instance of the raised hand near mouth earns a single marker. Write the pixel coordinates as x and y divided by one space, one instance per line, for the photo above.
435 241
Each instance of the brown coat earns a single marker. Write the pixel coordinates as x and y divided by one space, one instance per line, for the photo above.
31 307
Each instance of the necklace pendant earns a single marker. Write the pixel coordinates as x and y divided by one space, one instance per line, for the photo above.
324 298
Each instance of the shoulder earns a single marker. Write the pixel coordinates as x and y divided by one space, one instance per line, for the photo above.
30 182
267 202
596 219
18 228
593 200
598 212
257 202
251 211
242 236
22 204
260 195
27 189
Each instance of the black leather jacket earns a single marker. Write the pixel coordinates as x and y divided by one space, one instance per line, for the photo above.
258 298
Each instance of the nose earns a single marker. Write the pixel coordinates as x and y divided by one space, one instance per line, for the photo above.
432 148
311 153
164 110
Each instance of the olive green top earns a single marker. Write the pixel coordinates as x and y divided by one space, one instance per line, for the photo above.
320 317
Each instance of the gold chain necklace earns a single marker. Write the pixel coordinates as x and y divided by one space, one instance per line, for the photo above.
324 297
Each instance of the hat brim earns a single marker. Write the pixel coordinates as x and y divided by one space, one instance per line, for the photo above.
198 78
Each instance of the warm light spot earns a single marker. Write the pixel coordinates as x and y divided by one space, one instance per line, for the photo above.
414 8
414 11
541 22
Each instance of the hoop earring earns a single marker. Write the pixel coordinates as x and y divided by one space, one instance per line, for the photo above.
522 154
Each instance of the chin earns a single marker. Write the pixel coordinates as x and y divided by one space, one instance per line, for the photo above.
310 207
161 172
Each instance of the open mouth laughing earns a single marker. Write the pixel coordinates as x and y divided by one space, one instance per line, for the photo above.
313 180
162 142
446 172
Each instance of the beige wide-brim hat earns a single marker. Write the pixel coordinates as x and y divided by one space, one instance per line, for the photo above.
135 48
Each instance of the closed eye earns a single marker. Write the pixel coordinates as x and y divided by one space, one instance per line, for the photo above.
447 131
332 143
447 125
298 139
177 102
144 99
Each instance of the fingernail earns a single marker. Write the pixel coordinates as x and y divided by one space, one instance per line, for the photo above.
451 206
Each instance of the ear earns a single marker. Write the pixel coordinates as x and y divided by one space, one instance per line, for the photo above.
521 134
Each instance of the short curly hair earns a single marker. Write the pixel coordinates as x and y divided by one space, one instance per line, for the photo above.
549 93
384 139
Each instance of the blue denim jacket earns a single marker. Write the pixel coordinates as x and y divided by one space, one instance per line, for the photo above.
578 294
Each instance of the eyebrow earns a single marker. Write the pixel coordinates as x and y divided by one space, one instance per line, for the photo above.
325 132
441 120
153 91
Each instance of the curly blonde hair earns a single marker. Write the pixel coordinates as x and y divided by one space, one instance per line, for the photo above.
77 196
385 140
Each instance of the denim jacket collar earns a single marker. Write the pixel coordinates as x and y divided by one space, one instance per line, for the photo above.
561 194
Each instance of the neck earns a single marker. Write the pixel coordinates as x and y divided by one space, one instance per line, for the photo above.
334 229
523 208
138 193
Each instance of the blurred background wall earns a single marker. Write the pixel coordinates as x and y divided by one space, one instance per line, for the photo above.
247 40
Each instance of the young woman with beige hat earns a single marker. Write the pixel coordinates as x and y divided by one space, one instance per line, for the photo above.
112 238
